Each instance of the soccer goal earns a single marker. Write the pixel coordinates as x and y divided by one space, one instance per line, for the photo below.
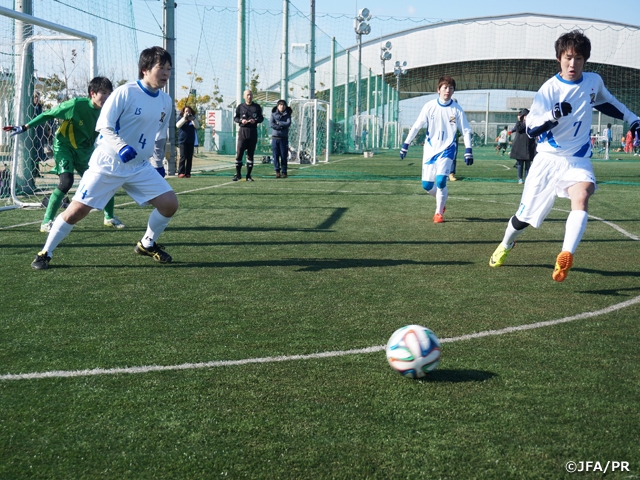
46 64
309 134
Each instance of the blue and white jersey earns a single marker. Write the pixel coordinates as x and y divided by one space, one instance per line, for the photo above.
441 121
139 117
570 136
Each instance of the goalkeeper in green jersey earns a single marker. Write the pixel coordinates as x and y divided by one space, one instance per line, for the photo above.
73 144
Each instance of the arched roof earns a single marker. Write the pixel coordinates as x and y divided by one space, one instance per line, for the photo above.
500 52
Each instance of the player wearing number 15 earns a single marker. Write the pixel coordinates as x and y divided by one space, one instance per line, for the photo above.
132 125
561 117
442 118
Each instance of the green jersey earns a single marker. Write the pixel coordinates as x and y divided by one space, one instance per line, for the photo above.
78 128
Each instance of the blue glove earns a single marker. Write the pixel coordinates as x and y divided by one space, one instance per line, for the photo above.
561 110
15 129
161 171
634 127
127 153
468 156
404 150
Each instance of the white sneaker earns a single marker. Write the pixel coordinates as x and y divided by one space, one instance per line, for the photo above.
114 222
46 226
520 182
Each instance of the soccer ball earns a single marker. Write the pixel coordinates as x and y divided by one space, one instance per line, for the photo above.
413 351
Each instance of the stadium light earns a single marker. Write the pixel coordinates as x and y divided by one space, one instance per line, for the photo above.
361 27
399 71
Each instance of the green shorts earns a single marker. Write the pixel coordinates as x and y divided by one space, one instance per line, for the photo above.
69 159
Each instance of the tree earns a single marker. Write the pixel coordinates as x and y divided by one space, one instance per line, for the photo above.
200 103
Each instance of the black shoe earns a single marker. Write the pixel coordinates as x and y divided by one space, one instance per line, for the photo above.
41 261
237 177
157 252
284 175
249 179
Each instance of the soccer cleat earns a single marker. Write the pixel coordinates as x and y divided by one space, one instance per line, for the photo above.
46 226
41 261
452 177
564 261
237 178
114 222
249 179
500 255
157 252
438 218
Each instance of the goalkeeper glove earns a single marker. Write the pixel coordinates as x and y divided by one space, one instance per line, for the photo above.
15 129
635 127
161 171
404 150
127 153
468 156
561 109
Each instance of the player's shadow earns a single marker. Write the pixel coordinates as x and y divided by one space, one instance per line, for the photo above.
603 273
457 376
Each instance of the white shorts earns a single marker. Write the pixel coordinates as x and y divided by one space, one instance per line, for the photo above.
550 177
442 166
97 187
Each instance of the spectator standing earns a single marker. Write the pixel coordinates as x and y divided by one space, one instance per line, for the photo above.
187 126
524 148
280 122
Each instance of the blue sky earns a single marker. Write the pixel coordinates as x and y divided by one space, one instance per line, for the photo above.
623 11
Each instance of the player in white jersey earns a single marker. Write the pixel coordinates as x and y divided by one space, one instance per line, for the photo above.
442 118
561 117
132 125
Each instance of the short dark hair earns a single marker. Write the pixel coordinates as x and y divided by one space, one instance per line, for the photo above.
446 80
574 40
100 83
150 57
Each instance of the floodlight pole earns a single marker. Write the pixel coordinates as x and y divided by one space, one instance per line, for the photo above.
169 46
361 28
385 55
399 71
284 71
312 53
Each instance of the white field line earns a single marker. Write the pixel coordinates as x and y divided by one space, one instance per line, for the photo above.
312 356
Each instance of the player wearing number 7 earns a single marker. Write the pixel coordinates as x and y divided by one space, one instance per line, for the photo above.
561 119
132 124
442 118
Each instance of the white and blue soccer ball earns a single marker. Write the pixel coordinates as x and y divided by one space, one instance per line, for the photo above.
413 351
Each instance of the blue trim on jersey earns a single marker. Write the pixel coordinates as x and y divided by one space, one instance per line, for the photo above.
146 90
117 129
610 110
449 152
445 105
569 82
583 150
548 137
545 127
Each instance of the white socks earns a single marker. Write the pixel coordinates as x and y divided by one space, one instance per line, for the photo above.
510 235
576 225
155 227
59 230
441 199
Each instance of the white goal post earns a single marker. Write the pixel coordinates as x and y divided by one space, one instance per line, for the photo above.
26 180
309 136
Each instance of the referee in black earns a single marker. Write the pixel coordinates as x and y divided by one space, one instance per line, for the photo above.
248 116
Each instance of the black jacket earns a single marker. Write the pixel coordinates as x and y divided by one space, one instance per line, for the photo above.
523 148
244 111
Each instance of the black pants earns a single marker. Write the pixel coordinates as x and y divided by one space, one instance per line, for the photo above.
247 141
186 158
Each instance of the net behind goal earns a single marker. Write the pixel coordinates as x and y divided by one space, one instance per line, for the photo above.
309 133
48 64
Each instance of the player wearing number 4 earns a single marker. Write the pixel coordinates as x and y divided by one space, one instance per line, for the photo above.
561 116
442 118
132 126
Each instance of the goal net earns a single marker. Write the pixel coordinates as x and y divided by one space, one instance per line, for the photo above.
309 133
46 65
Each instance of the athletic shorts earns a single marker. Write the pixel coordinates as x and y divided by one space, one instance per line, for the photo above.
441 166
97 187
69 159
551 176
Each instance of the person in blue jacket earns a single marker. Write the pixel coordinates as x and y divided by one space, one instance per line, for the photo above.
280 123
